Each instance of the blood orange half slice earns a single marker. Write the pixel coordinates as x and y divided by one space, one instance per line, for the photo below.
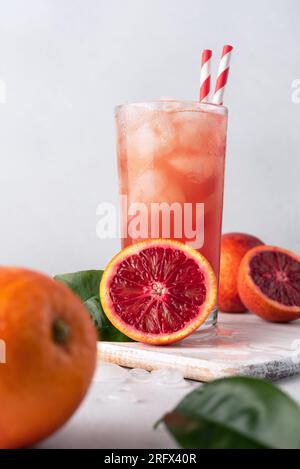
158 291
269 283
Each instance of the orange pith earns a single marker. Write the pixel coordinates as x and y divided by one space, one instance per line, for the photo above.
158 291
269 283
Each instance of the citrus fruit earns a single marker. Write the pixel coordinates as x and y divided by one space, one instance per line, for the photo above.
50 355
233 248
269 283
158 291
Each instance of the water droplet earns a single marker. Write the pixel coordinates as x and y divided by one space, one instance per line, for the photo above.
168 376
138 374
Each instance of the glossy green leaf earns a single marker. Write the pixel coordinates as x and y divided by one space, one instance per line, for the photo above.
238 412
86 284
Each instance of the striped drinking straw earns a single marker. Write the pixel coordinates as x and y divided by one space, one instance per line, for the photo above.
205 75
223 73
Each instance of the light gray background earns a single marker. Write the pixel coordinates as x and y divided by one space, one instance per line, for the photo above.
66 63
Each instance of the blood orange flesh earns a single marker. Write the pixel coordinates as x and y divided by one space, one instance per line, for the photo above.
158 291
269 283
278 276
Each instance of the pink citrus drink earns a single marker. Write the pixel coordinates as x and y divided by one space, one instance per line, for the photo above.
173 153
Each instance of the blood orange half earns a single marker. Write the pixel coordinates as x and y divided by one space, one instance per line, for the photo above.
158 291
269 283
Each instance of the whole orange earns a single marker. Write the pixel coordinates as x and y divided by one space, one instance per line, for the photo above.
233 248
50 355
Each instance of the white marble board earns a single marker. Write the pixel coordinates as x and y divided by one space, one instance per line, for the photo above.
242 344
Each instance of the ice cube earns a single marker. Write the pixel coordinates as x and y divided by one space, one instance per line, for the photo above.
154 186
132 116
148 185
153 138
165 130
142 143
109 372
195 167
191 123
138 374
167 376
200 132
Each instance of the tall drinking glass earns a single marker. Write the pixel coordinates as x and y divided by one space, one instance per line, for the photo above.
171 157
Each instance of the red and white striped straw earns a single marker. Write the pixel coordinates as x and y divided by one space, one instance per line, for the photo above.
205 75
223 73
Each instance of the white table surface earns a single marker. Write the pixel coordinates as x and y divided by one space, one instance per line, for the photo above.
103 422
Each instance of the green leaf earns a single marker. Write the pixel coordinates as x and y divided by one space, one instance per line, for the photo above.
85 284
238 412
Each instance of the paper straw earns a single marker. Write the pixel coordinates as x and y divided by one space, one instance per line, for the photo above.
205 75
223 73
